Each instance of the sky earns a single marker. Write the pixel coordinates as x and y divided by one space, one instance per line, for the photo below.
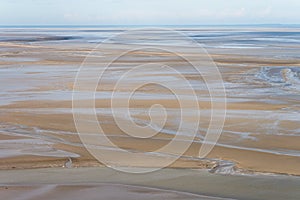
148 12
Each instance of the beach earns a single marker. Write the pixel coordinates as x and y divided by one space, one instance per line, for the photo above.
260 68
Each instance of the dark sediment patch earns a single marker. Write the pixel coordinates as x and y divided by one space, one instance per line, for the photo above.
40 39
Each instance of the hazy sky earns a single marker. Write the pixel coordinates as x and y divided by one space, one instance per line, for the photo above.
148 12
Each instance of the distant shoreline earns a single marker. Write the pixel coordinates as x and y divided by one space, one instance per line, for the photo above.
153 25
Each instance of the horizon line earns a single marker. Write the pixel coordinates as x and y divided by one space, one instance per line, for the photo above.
239 24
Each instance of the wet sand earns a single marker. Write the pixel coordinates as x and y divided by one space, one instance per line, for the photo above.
93 192
261 132
188 184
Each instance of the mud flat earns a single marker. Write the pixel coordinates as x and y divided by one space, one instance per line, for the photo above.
261 134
